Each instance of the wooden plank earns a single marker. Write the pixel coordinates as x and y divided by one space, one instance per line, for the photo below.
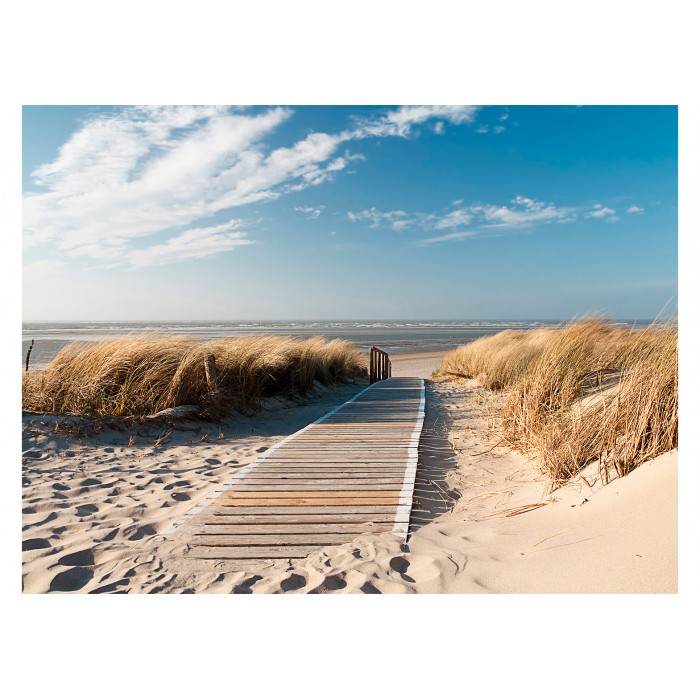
320 493
262 521
310 487
314 539
316 480
316 510
317 471
337 461
295 529
363 437
357 449
269 502
334 468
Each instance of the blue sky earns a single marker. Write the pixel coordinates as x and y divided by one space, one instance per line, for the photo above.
442 212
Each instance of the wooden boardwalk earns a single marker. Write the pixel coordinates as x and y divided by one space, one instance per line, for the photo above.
351 472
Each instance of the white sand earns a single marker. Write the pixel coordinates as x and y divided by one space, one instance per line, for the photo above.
94 508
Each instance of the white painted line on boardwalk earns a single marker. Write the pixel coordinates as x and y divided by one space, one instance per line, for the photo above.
403 512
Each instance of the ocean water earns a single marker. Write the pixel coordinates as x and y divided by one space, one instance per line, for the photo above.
394 337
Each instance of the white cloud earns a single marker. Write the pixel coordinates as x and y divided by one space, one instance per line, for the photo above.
397 220
130 175
523 212
482 129
600 212
458 217
499 129
634 209
313 212
439 128
459 236
401 121
195 243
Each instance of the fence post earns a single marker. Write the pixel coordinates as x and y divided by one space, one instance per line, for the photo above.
29 352
211 373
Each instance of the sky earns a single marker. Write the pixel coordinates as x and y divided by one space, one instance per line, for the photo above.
356 212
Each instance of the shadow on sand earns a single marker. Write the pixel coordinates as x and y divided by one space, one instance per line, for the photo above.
432 497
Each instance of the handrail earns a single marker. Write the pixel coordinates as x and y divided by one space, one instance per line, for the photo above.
379 365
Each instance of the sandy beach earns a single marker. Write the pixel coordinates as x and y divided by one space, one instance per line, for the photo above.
94 508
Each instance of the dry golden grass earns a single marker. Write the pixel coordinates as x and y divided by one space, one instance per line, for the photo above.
583 392
140 375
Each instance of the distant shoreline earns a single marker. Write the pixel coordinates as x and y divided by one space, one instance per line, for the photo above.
395 337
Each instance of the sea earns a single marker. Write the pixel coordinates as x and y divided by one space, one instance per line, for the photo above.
394 337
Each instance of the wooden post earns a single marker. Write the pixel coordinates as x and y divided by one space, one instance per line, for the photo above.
211 373
379 365
29 352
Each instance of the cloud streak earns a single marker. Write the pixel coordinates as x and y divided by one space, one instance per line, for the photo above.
448 238
521 212
312 212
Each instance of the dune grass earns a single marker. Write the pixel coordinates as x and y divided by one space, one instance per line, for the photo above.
134 376
583 392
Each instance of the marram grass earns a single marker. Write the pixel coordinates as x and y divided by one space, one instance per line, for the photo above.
139 375
583 392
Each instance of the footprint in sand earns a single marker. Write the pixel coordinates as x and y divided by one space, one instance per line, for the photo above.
71 580
138 533
178 484
293 583
85 557
246 586
368 587
35 543
60 487
88 509
414 568
51 516
212 461
330 584
262 449
111 587
90 482
180 497
111 535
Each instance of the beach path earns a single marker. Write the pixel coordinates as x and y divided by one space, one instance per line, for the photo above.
349 473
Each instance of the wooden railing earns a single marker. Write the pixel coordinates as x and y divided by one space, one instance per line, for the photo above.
379 365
